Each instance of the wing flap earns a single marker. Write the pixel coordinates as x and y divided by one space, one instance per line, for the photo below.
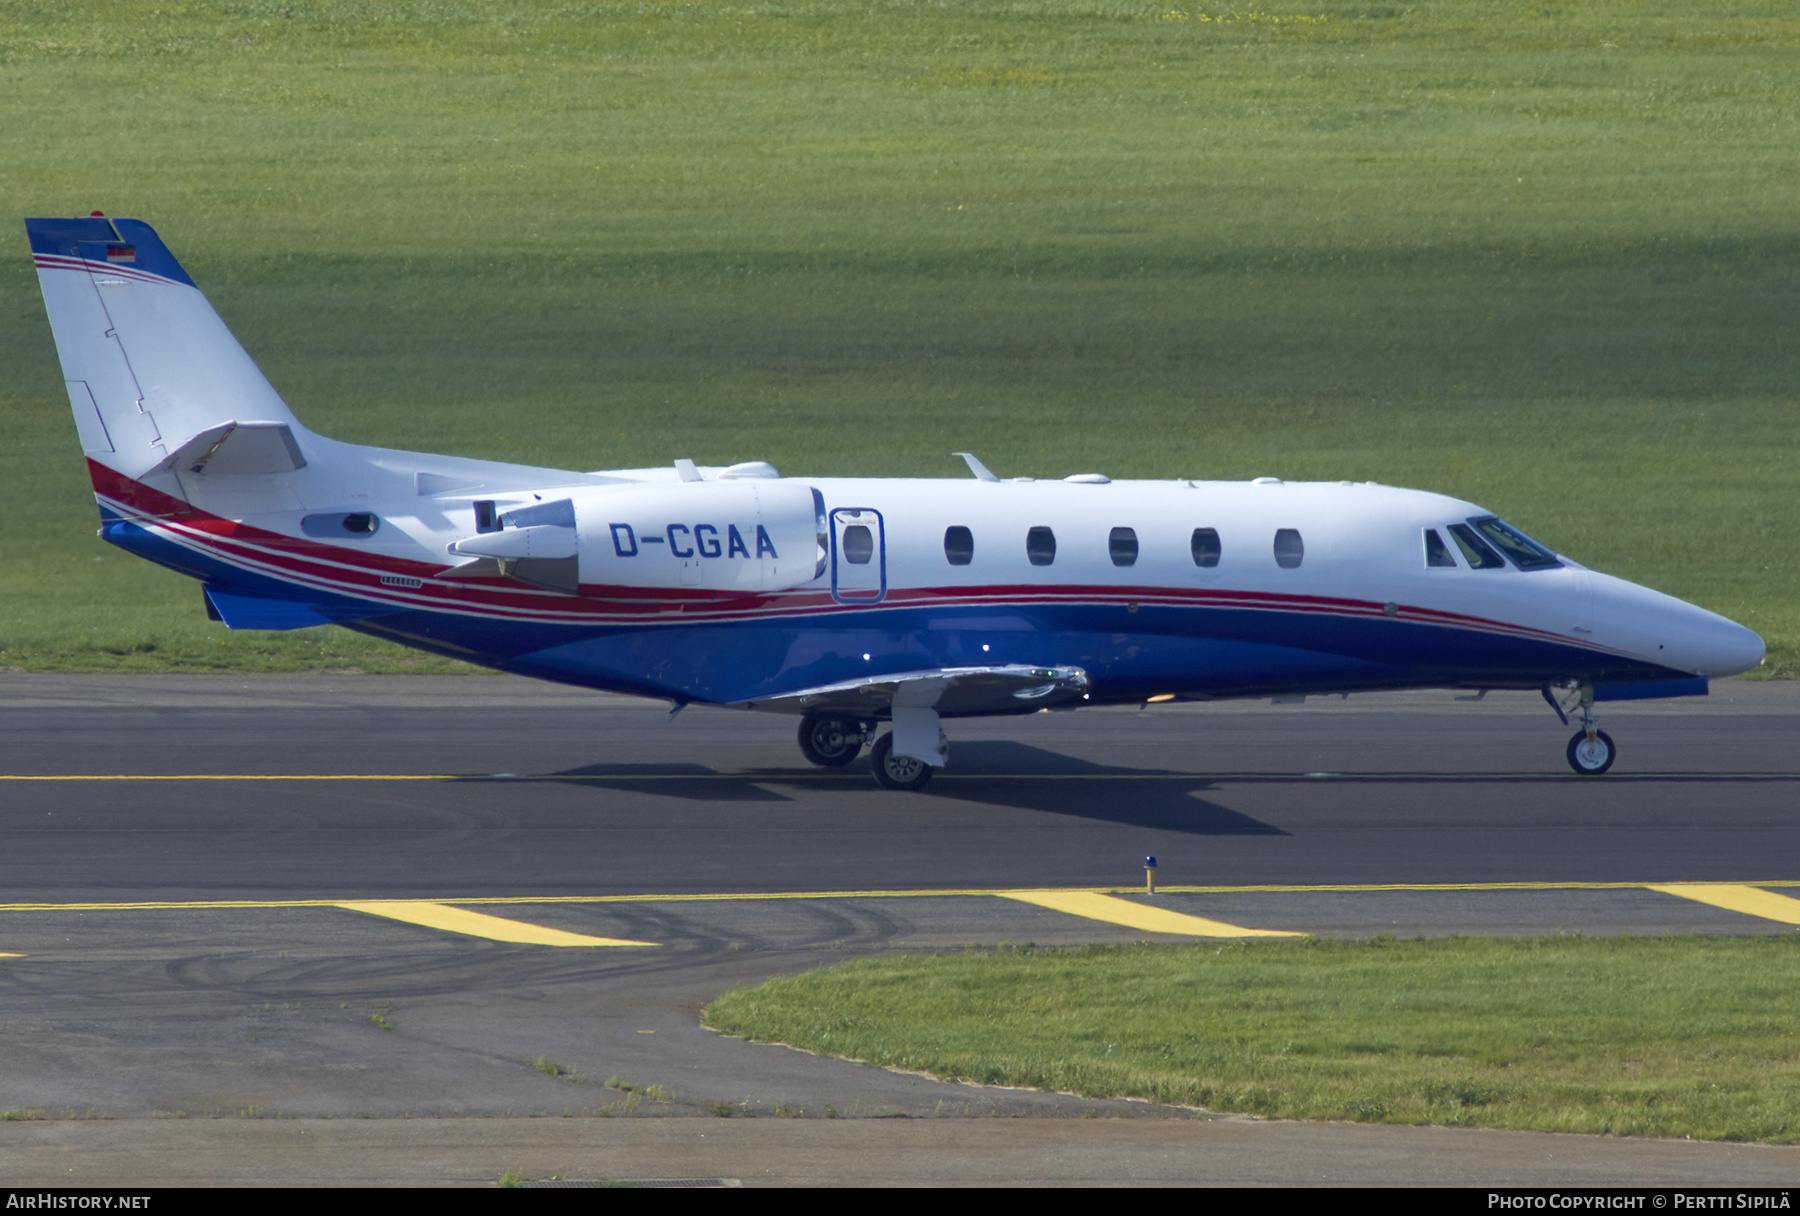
951 691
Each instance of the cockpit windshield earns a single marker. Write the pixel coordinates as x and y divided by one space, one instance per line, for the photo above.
1523 552
1477 552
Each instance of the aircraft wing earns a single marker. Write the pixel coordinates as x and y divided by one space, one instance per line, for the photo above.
1015 687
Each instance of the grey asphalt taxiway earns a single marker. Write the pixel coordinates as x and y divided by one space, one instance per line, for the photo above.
314 899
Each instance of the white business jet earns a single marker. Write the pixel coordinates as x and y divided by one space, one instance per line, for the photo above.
845 602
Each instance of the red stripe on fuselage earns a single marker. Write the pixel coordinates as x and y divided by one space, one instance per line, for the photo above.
344 571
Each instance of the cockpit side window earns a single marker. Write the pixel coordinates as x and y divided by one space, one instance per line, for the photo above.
1525 553
1437 553
1475 550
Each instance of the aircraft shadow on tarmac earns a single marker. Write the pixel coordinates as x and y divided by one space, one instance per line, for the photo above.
1007 774
990 773
1004 773
691 781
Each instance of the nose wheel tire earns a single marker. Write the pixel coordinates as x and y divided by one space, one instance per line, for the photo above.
830 740
897 772
1591 759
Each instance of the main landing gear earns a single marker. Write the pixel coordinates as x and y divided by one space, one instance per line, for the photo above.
833 740
896 772
1591 751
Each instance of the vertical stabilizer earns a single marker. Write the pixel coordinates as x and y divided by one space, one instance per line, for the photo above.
150 366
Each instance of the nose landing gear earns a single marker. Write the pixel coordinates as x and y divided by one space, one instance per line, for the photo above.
1591 751
1591 755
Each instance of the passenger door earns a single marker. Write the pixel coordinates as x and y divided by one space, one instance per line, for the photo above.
858 556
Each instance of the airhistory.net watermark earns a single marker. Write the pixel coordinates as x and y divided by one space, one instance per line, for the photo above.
53 1201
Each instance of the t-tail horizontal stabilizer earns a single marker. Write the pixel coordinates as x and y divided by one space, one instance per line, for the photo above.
237 447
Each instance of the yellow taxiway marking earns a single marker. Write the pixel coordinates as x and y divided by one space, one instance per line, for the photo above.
1094 906
1748 900
479 924
153 905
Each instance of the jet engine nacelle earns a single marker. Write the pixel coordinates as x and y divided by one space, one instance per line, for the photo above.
751 535
748 536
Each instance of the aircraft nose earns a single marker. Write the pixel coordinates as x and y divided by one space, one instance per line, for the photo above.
1735 648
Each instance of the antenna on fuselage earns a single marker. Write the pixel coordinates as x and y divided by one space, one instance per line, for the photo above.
981 471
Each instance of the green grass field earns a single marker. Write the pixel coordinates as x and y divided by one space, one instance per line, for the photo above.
1541 256
1655 1037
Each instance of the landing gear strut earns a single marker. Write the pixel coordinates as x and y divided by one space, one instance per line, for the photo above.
831 740
1591 751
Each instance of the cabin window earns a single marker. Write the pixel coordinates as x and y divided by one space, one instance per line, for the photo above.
1437 553
1205 545
959 545
1526 553
1040 546
1290 550
1121 544
859 545
1474 549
